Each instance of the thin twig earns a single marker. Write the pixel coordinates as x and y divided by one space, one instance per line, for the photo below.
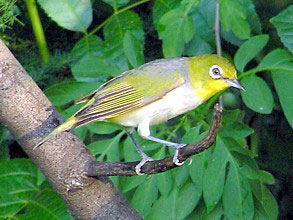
158 166
217 28
218 38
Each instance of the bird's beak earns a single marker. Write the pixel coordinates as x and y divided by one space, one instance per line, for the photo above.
235 83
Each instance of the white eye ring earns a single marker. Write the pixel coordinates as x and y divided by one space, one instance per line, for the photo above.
216 72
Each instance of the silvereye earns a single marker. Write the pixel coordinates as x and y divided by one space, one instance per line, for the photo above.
154 93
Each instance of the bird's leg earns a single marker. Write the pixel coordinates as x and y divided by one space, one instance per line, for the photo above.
144 132
145 158
168 144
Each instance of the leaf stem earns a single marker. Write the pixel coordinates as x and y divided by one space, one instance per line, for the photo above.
38 30
253 71
117 13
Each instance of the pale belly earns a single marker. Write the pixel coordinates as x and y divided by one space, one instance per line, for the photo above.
174 103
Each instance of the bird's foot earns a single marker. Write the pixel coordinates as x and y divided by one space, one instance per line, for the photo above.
175 158
144 160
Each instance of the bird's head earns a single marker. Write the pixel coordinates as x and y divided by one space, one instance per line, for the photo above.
211 74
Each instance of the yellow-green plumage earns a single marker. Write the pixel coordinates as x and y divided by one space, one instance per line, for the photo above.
153 93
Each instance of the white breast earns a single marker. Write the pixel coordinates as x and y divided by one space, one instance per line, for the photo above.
174 103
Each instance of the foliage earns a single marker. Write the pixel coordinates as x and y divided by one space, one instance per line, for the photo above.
23 187
222 181
8 13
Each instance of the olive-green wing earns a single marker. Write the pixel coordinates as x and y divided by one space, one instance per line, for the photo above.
128 92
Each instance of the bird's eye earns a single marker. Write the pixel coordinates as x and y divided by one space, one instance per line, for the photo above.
216 72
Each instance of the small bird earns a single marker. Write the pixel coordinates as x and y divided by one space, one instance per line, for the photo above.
154 93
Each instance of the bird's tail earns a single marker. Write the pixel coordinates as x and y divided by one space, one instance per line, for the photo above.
63 127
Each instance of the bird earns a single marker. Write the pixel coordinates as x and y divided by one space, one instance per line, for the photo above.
152 94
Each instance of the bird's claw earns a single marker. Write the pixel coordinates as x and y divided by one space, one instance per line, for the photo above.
176 161
141 163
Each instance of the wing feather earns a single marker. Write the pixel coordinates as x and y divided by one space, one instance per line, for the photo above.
128 92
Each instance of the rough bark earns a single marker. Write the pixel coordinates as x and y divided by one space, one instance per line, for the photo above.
28 114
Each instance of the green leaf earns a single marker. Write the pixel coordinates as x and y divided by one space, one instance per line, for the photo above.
265 201
214 177
145 195
10 204
177 205
237 196
88 44
236 130
284 25
74 15
19 177
258 95
197 46
21 197
70 111
200 212
267 177
129 183
99 147
181 175
91 67
130 153
283 84
116 3
204 19
203 41
230 37
278 59
161 7
234 17
248 50
216 214
187 199
103 127
188 29
191 135
165 182
170 29
232 115
235 145
107 149
197 169
113 152
89 60
133 49
62 93
164 207
114 33
46 205
258 215
269 204
252 16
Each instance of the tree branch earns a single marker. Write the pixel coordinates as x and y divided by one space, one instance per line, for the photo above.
28 114
158 166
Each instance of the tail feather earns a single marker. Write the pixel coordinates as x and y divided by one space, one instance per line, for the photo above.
70 123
